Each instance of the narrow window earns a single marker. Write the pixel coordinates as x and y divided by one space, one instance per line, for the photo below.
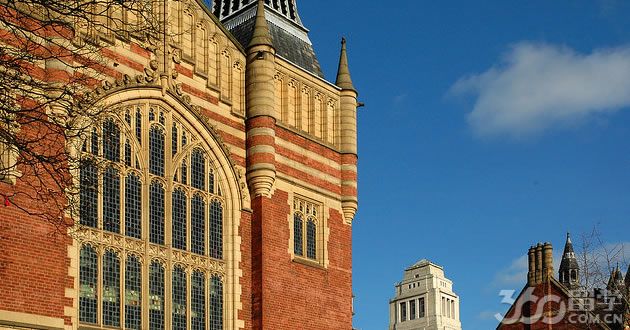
412 309
211 181
156 151
89 194
156 296
198 303
133 293
179 219
403 311
216 230
174 140
133 206
111 200
156 216
184 172
216 303
311 237
87 278
198 170
111 141
421 311
298 237
127 153
198 223
139 125
179 299
94 143
111 289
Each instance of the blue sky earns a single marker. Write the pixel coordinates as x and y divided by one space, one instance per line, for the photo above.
488 126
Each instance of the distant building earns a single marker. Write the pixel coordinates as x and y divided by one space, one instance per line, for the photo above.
549 303
424 300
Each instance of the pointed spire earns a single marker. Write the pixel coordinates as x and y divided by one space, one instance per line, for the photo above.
261 35
569 268
616 280
343 74
628 278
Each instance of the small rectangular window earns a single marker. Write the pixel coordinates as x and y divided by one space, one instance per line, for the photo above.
403 311
421 312
412 309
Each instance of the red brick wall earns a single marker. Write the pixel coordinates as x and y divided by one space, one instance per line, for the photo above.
33 263
292 295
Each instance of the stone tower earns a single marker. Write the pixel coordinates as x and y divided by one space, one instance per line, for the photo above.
569 273
424 300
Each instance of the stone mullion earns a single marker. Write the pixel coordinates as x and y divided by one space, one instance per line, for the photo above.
121 287
188 298
146 266
99 284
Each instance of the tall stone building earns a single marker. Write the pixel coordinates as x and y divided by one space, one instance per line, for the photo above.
424 300
227 189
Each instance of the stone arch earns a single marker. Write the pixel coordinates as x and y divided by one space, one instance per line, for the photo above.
233 189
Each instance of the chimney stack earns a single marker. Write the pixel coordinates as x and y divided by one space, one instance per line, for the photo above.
540 259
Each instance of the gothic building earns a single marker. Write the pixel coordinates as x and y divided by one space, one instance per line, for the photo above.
563 303
226 183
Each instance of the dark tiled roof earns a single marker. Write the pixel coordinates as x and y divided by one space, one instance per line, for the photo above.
287 45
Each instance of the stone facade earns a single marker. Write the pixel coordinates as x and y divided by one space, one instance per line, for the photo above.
280 142
424 300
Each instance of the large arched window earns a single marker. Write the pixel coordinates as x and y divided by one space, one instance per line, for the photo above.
151 215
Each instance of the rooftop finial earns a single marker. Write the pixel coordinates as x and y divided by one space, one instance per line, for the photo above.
343 74
261 34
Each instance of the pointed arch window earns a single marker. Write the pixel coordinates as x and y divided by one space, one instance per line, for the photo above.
111 200
216 303
198 223
156 216
132 194
216 230
198 301
133 206
88 264
156 296
307 231
111 289
179 299
179 219
133 293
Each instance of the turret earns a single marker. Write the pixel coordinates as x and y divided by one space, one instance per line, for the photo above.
348 110
615 282
569 272
261 170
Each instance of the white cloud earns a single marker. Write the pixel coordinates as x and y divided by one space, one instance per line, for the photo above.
539 86
514 275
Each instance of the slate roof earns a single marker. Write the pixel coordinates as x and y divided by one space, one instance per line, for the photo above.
286 44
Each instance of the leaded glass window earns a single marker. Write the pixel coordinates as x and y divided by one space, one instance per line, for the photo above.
127 153
111 141
174 140
133 206
216 230
111 200
198 170
198 301
179 219
156 151
89 193
179 299
156 216
198 223
133 293
88 264
94 144
311 237
156 296
298 235
111 289
216 303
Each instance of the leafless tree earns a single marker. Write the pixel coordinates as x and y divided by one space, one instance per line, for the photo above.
52 54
